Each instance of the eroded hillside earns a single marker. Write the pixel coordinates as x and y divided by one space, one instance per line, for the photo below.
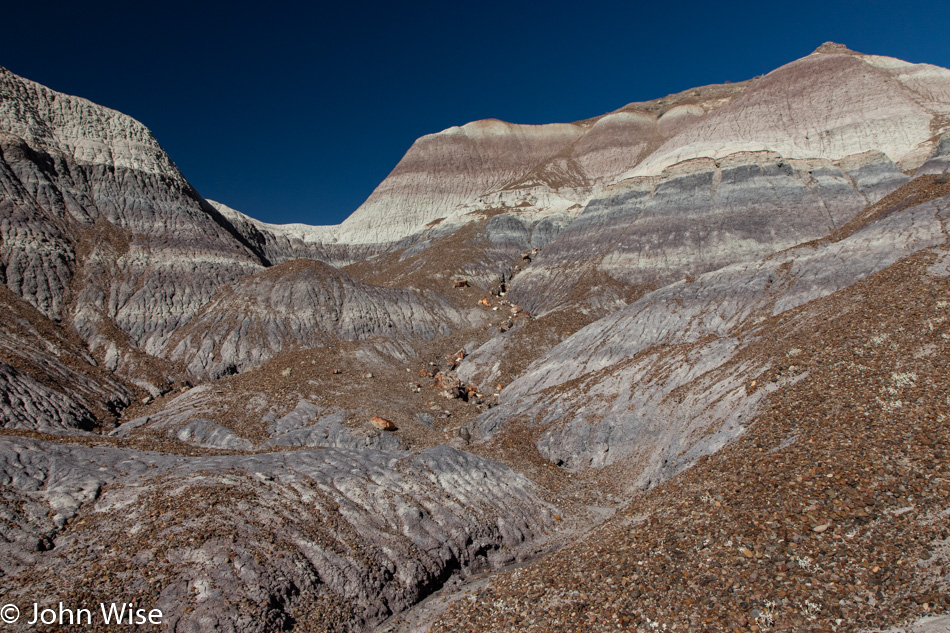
682 365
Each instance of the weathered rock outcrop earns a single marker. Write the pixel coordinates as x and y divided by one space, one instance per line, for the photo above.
304 304
99 228
830 105
665 379
316 538
49 381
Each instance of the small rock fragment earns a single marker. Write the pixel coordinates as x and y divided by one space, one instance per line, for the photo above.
382 423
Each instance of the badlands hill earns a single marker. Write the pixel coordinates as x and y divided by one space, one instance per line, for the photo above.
681 366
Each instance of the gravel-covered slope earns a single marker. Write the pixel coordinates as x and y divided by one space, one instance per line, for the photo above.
828 514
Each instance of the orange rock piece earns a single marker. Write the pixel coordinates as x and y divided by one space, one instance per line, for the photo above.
382 423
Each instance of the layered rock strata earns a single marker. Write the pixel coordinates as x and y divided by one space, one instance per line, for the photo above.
664 379
699 216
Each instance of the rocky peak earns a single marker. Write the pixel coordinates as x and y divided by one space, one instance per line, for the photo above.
88 133
833 48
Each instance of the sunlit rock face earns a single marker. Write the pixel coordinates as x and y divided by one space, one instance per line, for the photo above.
278 243
831 104
100 229
534 171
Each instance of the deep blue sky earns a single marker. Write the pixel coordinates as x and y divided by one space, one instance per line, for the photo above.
295 112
